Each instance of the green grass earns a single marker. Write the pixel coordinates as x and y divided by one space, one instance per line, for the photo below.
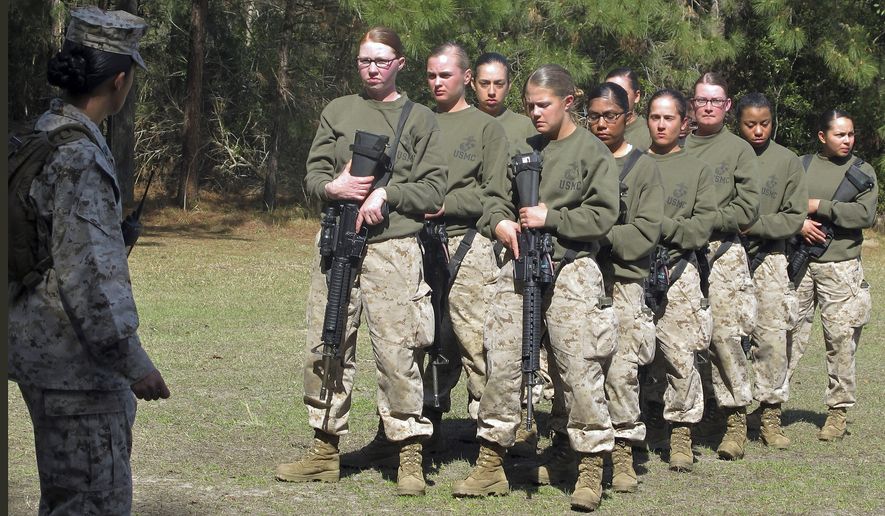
221 302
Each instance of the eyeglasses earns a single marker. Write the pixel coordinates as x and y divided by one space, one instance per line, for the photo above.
383 64
701 102
608 117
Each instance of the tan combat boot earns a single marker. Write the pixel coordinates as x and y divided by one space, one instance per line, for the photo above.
681 456
836 425
588 488
735 438
770 428
561 467
321 462
623 474
410 475
487 477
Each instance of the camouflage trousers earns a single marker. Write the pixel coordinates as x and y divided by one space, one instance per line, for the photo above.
636 346
462 326
776 313
726 373
83 441
391 294
842 293
582 333
684 326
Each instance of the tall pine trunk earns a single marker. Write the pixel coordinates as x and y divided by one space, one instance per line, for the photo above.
188 183
278 131
121 128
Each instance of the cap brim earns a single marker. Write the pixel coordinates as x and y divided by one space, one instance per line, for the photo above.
138 60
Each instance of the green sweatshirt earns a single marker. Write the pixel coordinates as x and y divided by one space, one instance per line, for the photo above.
734 175
579 185
476 149
632 242
637 133
823 177
518 129
783 199
689 202
418 183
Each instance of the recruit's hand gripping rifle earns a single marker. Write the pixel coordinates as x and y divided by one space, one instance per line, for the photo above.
435 242
342 248
534 270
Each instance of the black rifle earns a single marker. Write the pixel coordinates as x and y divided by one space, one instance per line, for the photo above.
342 248
534 270
704 269
657 282
852 185
435 243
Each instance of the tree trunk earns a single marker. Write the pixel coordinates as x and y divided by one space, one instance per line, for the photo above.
188 184
121 129
278 131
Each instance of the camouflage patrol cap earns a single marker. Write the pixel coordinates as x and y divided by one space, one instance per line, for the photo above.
117 32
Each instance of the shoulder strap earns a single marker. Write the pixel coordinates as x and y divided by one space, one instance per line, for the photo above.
632 158
460 253
806 161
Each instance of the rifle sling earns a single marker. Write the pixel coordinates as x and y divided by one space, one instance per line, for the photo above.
632 158
680 266
460 253
391 156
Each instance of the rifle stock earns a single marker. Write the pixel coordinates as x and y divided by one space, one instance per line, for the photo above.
434 240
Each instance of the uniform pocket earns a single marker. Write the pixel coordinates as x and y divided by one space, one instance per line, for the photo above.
746 306
603 334
703 322
859 307
791 307
422 313
644 336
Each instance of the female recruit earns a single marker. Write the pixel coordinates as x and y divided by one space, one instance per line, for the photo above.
389 291
475 147
74 348
732 295
625 260
491 84
578 204
683 321
636 133
834 281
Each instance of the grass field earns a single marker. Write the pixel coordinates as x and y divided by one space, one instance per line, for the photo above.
221 301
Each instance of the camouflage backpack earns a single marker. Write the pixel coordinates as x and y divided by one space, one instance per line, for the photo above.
28 154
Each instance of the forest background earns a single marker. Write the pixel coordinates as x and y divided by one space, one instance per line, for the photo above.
229 104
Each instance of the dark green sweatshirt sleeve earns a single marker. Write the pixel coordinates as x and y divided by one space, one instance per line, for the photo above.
634 240
693 232
788 220
861 213
426 187
468 202
599 210
497 203
743 209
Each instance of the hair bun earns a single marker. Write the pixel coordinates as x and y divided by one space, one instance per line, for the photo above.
67 70
579 94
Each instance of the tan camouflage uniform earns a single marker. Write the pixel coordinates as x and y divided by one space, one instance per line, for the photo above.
684 328
733 302
842 294
582 336
636 347
391 294
777 313
463 325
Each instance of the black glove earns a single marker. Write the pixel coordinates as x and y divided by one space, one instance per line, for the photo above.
131 228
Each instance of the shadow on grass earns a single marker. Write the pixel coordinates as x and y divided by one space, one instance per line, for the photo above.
792 416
